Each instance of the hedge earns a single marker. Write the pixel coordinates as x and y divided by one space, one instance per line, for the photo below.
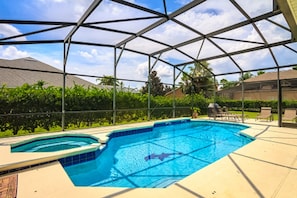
33 106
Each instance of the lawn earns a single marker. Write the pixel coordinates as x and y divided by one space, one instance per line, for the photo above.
253 115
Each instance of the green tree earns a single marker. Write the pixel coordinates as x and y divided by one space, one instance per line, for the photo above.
199 80
295 67
167 89
40 84
260 72
157 87
107 80
245 76
228 84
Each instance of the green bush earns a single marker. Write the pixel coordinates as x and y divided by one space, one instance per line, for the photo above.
32 107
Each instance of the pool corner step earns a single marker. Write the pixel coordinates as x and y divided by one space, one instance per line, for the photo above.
163 183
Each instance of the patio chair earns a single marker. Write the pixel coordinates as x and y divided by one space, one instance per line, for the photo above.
232 116
224 114
220 112
215 111
265 114
290 115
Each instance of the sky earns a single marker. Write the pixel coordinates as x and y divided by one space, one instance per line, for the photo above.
90 60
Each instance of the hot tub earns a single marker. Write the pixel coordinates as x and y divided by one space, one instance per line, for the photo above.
54 143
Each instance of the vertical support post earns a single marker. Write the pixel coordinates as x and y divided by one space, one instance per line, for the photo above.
242 98
214 89
114 88
65 57
173 87
280 99
63 88
275 5
214 95
149 90
114 99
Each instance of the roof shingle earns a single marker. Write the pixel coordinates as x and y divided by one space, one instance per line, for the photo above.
287 74
16 77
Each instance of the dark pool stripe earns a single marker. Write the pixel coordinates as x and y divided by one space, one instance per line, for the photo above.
80 158
160 124
130 132
119 133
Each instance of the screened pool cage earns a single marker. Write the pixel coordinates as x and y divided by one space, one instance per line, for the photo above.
228 38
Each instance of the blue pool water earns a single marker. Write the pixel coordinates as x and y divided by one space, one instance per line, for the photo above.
160 156
56 143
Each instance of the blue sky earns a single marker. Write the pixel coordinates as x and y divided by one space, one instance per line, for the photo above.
207 17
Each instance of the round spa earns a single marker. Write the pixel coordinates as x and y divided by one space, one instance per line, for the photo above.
54 143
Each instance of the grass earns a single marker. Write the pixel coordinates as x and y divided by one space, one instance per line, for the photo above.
253 115
8 133
38 130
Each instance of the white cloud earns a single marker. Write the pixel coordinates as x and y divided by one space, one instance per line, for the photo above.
182 2
171 33
254 60
90 55
59 1
273 33
11 52
255 7
211 15
64 10
85 54
7 30
163 71
57 62
109 10
142 69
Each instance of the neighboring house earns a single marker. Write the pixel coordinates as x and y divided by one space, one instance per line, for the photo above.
178 93
264 87
12 77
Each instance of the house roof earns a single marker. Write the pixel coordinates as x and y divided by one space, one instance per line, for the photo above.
171 92
266 77
29 70
287 74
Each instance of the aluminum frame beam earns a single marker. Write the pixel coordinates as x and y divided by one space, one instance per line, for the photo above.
84 17
220 31
161 21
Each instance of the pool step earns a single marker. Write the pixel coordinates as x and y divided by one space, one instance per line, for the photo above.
163 183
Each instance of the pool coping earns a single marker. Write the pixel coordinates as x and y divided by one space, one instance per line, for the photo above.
257 169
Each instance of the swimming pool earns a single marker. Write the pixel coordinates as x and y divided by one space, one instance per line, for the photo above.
159 156
53 143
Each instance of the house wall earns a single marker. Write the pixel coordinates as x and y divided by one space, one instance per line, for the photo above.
288 94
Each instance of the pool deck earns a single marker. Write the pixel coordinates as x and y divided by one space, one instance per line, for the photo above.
267 167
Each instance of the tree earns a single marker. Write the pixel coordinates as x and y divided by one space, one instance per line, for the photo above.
199 80
167 89
295 67
40 84
157 88
245 76
228 84
260 72
107 80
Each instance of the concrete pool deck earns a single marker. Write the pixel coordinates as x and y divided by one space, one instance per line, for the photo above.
267 167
